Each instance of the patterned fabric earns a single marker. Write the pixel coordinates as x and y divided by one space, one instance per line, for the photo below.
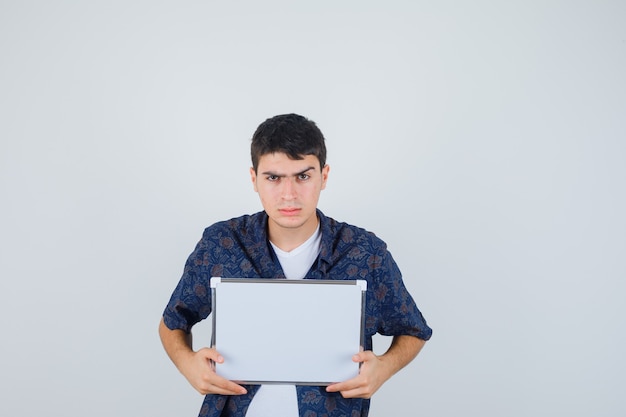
240 248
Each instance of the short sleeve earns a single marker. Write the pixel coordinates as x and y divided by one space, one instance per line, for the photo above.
399 313
191 299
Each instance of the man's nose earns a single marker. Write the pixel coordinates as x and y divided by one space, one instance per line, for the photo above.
289 188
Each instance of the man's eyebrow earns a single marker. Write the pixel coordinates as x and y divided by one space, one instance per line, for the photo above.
275 174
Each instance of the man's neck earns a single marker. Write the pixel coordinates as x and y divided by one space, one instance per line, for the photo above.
287 239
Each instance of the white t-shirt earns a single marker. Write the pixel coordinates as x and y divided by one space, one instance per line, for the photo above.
281 400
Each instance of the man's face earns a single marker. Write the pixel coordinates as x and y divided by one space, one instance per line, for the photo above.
289 190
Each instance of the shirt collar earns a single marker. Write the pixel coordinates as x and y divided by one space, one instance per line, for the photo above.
268 259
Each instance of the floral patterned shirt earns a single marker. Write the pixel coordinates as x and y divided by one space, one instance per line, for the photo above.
240 248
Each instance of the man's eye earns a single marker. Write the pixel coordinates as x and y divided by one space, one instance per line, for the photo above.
303 177
272 177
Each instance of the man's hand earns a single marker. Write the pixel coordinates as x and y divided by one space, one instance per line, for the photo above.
196 366
372 375
376 370
200 373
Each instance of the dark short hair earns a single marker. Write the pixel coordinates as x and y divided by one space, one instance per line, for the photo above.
290 134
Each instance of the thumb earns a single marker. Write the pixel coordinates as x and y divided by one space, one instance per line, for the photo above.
363 356
212 354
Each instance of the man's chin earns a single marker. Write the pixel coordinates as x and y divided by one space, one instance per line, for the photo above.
289 222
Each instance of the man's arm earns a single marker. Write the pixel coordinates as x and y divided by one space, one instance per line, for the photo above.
196 366
376 370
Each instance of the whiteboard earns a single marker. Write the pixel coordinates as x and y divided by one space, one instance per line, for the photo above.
280 331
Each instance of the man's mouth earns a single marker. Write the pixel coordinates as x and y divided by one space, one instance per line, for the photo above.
289 211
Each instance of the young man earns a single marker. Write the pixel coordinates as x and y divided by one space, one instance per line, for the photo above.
292 239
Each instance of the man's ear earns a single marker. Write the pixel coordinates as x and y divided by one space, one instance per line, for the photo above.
253 178
325 171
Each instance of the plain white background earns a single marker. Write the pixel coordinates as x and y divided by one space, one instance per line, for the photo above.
484 141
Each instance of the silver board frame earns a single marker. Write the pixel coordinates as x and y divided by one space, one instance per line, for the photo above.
281 331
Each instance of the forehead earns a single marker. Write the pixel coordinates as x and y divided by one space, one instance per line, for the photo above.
279 161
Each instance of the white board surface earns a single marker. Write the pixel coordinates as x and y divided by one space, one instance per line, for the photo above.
287 331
